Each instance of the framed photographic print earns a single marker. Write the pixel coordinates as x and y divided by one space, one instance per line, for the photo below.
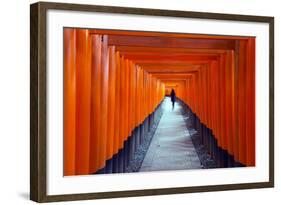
134 102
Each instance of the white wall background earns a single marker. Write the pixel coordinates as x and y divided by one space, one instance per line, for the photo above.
14 103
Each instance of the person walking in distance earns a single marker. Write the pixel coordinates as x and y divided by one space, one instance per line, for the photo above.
173 97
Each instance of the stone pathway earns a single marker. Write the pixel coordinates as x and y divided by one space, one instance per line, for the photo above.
171 147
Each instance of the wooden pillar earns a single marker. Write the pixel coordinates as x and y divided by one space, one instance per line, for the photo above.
133 96
117 123
95 138
104 99
137 96
126 98
122 102
229 84
83 85
241 101
69 103
222 99
111 103
250 103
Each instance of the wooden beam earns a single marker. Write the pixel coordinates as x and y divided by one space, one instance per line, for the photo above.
171 57
163 34
170 42
142 49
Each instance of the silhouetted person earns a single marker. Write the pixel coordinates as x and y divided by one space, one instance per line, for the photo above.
173 97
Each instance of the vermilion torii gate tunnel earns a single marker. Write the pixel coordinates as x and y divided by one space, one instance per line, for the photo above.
115 82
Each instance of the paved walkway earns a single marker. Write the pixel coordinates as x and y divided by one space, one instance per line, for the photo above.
171 147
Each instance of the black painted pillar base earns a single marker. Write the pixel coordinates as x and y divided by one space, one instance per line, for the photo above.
121 160
205 135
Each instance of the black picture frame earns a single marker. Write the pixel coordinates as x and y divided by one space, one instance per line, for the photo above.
38 101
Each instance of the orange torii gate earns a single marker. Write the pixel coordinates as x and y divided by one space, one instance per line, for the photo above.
115 82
